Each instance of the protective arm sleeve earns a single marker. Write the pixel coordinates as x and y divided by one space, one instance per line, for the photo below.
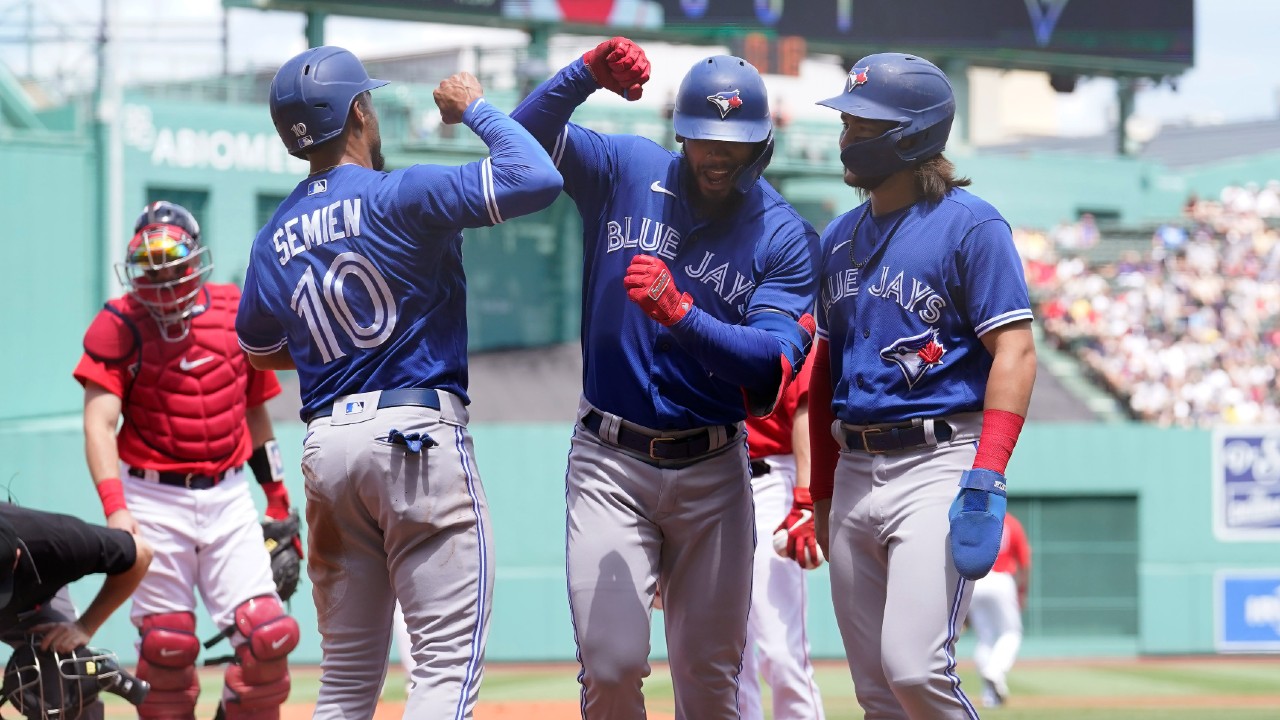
547 110
522 179
745 355
825 452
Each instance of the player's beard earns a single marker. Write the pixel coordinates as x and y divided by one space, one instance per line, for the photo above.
375 155
863 184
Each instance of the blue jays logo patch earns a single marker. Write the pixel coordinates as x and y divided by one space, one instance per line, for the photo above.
726 101
915 355
857 76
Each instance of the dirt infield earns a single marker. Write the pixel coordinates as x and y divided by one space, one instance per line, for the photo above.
542 710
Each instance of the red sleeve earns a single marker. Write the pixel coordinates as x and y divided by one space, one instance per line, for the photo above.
263 386
825 452
803 379
108 350
1018 545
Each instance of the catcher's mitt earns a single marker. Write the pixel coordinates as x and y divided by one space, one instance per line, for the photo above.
282 542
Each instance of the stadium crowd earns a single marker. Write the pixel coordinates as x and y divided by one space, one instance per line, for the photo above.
1187 333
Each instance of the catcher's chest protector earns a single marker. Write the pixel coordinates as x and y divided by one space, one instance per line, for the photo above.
187 398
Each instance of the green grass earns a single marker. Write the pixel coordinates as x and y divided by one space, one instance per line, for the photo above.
1209 688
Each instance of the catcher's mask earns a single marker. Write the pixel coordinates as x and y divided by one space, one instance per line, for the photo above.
164 269
46 685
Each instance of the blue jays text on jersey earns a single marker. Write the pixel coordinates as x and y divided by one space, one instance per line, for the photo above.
753 267
359 272
904 303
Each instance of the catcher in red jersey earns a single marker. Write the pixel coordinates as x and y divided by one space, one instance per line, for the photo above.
165 358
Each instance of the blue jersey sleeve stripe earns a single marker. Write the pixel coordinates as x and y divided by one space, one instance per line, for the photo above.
557 153
490 195
1003 319
253 350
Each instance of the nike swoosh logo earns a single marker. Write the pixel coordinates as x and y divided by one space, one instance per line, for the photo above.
169 653
658 188
805 516
188 365
276 645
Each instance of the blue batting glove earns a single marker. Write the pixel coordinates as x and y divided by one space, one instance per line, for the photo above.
977 522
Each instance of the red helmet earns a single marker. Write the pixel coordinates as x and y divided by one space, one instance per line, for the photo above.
164 269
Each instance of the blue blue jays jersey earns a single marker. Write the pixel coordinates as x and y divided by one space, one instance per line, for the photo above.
752 267
905 301
359 272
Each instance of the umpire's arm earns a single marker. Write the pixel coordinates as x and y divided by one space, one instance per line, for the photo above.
67 636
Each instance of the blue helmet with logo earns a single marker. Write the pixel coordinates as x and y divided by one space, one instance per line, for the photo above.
311 96
724 98
907 90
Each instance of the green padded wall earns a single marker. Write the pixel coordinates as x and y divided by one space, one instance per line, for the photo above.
1118 516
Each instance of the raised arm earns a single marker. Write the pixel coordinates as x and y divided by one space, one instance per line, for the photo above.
516 179
617 64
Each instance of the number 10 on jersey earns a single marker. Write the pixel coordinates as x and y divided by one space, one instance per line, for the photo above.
350 279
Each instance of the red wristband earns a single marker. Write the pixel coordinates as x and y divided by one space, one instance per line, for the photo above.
1000 430
111 492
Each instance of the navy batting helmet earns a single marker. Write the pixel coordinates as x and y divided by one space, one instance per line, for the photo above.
724 98
905 89
311 96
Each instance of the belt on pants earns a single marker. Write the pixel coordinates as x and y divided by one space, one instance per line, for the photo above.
399 397
190 481
894 437
760 468
658 447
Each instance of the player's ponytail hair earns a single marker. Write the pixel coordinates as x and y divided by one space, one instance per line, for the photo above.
936 177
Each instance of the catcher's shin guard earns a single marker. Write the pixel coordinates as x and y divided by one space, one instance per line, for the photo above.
257 681
167 660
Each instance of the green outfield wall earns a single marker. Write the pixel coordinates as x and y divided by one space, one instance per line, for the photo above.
1120 519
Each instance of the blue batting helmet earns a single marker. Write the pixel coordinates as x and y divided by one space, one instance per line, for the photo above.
905 89
311 96
724 98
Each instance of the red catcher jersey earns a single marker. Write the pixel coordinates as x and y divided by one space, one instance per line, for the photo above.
771 434
184 403
1015 551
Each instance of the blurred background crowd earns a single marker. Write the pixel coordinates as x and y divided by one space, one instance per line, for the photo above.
1185 332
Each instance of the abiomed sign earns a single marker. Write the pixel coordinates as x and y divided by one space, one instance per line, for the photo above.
1246 484
202 149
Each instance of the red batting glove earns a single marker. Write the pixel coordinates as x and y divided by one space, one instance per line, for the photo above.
794 537
619 65
649 285
278 507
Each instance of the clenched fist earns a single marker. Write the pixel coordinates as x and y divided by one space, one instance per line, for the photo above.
455 94
649 285
619 65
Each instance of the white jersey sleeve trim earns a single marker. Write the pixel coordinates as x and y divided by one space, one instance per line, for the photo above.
1003 319
252 350
490 195
557 152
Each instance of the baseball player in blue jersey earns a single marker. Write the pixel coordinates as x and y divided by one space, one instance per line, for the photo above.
922 376
695 274
357 282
